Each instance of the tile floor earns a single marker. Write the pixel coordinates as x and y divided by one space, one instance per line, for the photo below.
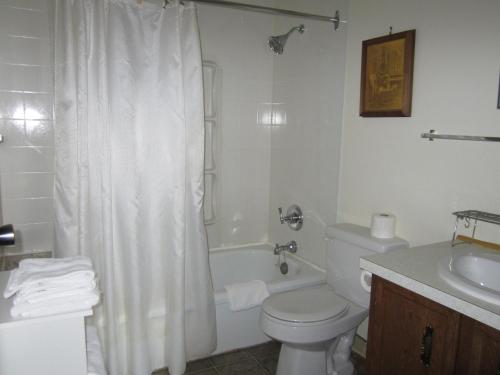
256 360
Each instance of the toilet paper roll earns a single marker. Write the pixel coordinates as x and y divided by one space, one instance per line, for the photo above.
383 225
366 281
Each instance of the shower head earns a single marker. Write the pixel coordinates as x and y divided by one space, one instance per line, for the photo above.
277 43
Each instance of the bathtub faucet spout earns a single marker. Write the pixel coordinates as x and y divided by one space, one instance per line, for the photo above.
290 247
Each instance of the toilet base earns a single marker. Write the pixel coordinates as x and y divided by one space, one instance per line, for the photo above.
296 361
331 358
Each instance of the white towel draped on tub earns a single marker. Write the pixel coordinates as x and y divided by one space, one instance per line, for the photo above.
243 296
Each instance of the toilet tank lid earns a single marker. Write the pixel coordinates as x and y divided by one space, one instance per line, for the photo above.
360 236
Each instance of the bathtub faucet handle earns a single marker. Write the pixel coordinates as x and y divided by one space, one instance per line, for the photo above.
291 247
277 249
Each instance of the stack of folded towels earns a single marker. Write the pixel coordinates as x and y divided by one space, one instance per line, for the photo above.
52 286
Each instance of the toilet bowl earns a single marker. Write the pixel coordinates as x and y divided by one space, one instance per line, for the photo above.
317 325
316 328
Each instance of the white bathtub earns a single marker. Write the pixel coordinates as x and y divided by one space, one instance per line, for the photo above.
241 329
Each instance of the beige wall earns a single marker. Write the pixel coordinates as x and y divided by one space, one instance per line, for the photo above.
385 165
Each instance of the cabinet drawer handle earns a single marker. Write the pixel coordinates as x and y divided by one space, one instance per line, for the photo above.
426 347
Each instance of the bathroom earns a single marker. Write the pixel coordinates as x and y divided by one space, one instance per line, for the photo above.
285 129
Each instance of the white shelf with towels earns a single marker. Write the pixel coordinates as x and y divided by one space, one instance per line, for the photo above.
49 345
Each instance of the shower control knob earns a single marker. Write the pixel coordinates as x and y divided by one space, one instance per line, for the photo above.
282 219
293 217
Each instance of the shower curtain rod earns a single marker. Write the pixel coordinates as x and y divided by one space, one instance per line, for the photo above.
276 11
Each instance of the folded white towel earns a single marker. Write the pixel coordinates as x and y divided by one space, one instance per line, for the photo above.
70 275
52 264
243 296
56 306
56 287
95 360
50 294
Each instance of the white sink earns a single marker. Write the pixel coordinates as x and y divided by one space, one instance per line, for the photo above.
474 271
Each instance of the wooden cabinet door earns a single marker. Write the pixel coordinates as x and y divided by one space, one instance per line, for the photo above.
400 323
479 349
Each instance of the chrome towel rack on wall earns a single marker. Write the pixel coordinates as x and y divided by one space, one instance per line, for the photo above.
432 135
472 215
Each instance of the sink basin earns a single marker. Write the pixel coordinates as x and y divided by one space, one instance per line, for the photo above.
474 271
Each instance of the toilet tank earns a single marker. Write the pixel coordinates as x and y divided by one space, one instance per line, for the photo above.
346 244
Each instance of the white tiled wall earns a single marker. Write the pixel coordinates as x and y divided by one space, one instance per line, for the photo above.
258 166
236 42
26 110
305 152
281 116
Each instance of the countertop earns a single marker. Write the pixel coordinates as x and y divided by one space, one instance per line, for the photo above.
416 269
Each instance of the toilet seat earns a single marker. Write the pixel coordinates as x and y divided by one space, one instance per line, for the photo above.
306 306
309 316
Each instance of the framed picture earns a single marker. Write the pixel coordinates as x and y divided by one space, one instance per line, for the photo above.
387 75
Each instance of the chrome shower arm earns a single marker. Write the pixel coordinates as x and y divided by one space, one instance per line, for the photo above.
300 29
277 43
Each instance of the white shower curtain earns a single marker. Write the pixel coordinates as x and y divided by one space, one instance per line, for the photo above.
129 176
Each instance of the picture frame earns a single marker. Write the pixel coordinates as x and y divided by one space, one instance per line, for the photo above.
387 75
498 100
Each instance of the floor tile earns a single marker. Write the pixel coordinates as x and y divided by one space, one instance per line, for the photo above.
256 360
198 367
200 364
265 350
269 363
209 371
161 372
245 367
230 357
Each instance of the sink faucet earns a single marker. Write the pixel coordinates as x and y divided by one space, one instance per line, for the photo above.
290 247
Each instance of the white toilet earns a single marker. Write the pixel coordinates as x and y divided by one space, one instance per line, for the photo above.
317 325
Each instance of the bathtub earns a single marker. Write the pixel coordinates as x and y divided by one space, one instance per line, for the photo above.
241 329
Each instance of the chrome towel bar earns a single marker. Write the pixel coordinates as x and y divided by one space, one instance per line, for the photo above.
432 135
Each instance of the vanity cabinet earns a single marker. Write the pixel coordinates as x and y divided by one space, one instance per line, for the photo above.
478 350
410 334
